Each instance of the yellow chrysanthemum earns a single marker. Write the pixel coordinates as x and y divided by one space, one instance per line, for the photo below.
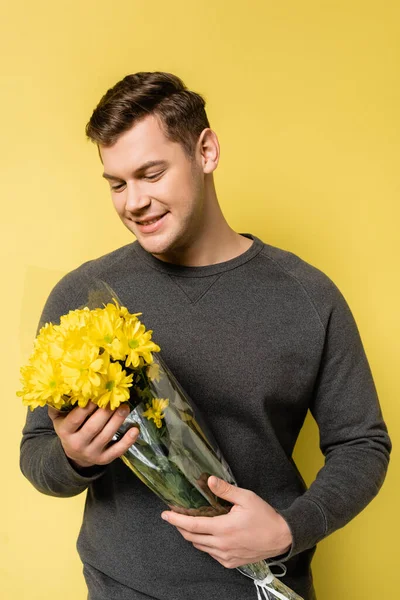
153 372
75 319
68 340
48 333
49 341
124 313
155 410
137 343
103 330
43 382
81 369
115 386
79 399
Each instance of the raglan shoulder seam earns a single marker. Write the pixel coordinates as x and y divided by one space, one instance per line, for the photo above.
103 268
265 255
72 280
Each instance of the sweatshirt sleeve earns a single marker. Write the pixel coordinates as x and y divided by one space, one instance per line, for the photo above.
42 458
44 462
353 435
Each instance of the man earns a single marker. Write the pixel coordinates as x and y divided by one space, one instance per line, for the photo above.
254 334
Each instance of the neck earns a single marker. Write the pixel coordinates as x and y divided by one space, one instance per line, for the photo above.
214 240
221 243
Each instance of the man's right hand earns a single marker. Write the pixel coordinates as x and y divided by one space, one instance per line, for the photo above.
86 432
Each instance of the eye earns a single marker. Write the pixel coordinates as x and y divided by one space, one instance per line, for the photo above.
151 177
117 187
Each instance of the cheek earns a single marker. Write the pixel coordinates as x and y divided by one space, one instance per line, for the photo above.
180 190
119 203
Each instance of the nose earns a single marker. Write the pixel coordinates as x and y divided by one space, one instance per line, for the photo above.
136 199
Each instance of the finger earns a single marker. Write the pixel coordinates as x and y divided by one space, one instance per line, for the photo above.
74 419
104 435
211 525
95 424
229 492
119 448
55 414
208 541
218 555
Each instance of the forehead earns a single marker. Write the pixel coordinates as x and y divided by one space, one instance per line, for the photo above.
145 141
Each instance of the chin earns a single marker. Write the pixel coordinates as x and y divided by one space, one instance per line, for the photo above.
154 246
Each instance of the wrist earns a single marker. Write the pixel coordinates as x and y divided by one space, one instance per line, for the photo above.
286 537
85 470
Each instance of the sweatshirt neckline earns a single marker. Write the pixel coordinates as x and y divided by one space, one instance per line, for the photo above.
203 271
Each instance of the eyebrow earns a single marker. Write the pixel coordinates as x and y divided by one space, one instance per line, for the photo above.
141 169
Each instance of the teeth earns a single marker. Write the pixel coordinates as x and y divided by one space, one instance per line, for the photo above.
150 222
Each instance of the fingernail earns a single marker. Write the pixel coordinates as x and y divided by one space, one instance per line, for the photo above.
133 433
123 411
164 516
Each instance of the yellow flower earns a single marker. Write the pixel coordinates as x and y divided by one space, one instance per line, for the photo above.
82 367
153 372
124 313
43 383
47 334
137 343
49 341
155 411
77 398
103 328
75 319
115 386
69 341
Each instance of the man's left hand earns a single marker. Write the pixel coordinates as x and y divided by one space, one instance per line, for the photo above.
250 532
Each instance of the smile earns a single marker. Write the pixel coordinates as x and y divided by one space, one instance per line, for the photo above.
149 222
151 225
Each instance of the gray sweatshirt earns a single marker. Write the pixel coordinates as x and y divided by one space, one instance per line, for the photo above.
256 341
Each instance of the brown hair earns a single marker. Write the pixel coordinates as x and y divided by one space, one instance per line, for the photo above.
181 112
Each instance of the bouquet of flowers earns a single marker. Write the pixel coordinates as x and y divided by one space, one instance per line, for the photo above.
106 356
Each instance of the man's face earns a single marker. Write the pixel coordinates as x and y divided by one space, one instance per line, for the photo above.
161 204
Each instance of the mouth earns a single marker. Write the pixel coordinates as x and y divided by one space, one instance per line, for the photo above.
151 225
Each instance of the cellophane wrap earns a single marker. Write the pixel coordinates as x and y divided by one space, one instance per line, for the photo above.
175 455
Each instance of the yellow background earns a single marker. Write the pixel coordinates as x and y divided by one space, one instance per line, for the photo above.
304 97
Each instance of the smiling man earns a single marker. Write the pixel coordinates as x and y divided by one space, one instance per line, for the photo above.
255 335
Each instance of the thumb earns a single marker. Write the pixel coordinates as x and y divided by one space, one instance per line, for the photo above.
54 413
225 490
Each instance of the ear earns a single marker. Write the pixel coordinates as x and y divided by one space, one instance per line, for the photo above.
208 146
